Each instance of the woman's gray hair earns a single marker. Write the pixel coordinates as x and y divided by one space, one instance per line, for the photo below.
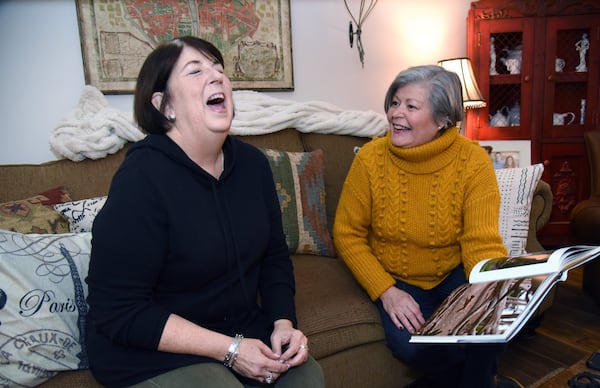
445 97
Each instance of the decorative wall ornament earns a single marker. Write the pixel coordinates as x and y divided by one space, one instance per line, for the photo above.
363 14
255 40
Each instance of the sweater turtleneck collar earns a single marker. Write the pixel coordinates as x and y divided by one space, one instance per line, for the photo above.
428 157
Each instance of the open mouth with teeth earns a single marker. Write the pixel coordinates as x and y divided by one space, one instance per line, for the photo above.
217 101
398 127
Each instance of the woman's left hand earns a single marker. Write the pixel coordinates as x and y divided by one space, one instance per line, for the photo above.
284 334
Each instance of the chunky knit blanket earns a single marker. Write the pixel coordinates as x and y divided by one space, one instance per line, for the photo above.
94 129
257 113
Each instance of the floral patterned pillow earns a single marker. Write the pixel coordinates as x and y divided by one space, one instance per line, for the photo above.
34 214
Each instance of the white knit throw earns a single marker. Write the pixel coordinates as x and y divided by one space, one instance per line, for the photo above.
257 113
94 130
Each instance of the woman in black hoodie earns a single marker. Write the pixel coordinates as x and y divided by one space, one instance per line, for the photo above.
190 279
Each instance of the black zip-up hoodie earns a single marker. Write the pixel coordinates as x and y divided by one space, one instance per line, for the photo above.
173 239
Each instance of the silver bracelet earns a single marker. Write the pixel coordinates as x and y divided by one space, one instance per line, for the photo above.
233 350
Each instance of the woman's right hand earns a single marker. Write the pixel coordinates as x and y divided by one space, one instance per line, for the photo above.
257 361
402 309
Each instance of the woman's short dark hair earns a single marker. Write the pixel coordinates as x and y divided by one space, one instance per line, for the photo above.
154 75
446 91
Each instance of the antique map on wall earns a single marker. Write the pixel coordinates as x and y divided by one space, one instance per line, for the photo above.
253 35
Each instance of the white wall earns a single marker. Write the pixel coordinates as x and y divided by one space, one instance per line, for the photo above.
41 69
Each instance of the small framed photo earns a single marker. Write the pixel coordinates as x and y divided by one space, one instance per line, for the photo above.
508 153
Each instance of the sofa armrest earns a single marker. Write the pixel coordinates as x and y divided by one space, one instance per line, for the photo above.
585 222
541 208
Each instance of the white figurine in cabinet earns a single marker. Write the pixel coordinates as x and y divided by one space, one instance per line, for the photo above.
582 46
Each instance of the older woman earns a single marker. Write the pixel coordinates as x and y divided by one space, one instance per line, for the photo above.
418 209
190 280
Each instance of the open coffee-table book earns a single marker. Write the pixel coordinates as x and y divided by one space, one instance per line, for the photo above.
501 296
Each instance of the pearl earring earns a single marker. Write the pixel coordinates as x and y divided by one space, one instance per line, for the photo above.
171 117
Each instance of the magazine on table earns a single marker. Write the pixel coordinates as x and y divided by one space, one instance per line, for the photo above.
501 296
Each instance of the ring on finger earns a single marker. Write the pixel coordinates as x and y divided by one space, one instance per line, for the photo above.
303 346
269 378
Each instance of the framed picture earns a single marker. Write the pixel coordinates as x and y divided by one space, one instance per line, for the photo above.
508 153
253 36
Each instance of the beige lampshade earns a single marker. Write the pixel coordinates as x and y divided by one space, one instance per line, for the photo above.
472 97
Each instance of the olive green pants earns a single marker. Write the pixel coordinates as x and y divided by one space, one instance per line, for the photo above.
213 375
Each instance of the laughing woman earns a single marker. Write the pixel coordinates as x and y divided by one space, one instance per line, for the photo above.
418 209
190 280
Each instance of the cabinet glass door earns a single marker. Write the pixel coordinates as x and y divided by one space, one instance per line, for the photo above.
570 99
505 69
572 76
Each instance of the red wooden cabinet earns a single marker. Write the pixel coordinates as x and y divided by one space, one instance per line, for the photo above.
555 91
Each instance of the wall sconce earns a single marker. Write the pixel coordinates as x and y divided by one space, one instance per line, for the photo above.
472 97
362 16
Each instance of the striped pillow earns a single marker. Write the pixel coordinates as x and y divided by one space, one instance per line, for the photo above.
517 186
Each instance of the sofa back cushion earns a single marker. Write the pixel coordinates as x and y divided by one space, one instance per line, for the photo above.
92 177
284 140
85 179
339 153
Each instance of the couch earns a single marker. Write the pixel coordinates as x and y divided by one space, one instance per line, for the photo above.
342 324
585 217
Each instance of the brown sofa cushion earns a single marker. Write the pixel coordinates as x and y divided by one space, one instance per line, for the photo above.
333 311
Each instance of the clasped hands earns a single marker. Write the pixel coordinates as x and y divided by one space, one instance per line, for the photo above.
257 361
403 310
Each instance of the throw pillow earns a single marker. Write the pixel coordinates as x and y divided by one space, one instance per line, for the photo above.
33 215
300 184
516 186
42 305
81 214
51 197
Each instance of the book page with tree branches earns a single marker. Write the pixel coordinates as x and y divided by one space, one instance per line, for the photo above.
485 312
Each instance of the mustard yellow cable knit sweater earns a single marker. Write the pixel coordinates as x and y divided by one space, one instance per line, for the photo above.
415 214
